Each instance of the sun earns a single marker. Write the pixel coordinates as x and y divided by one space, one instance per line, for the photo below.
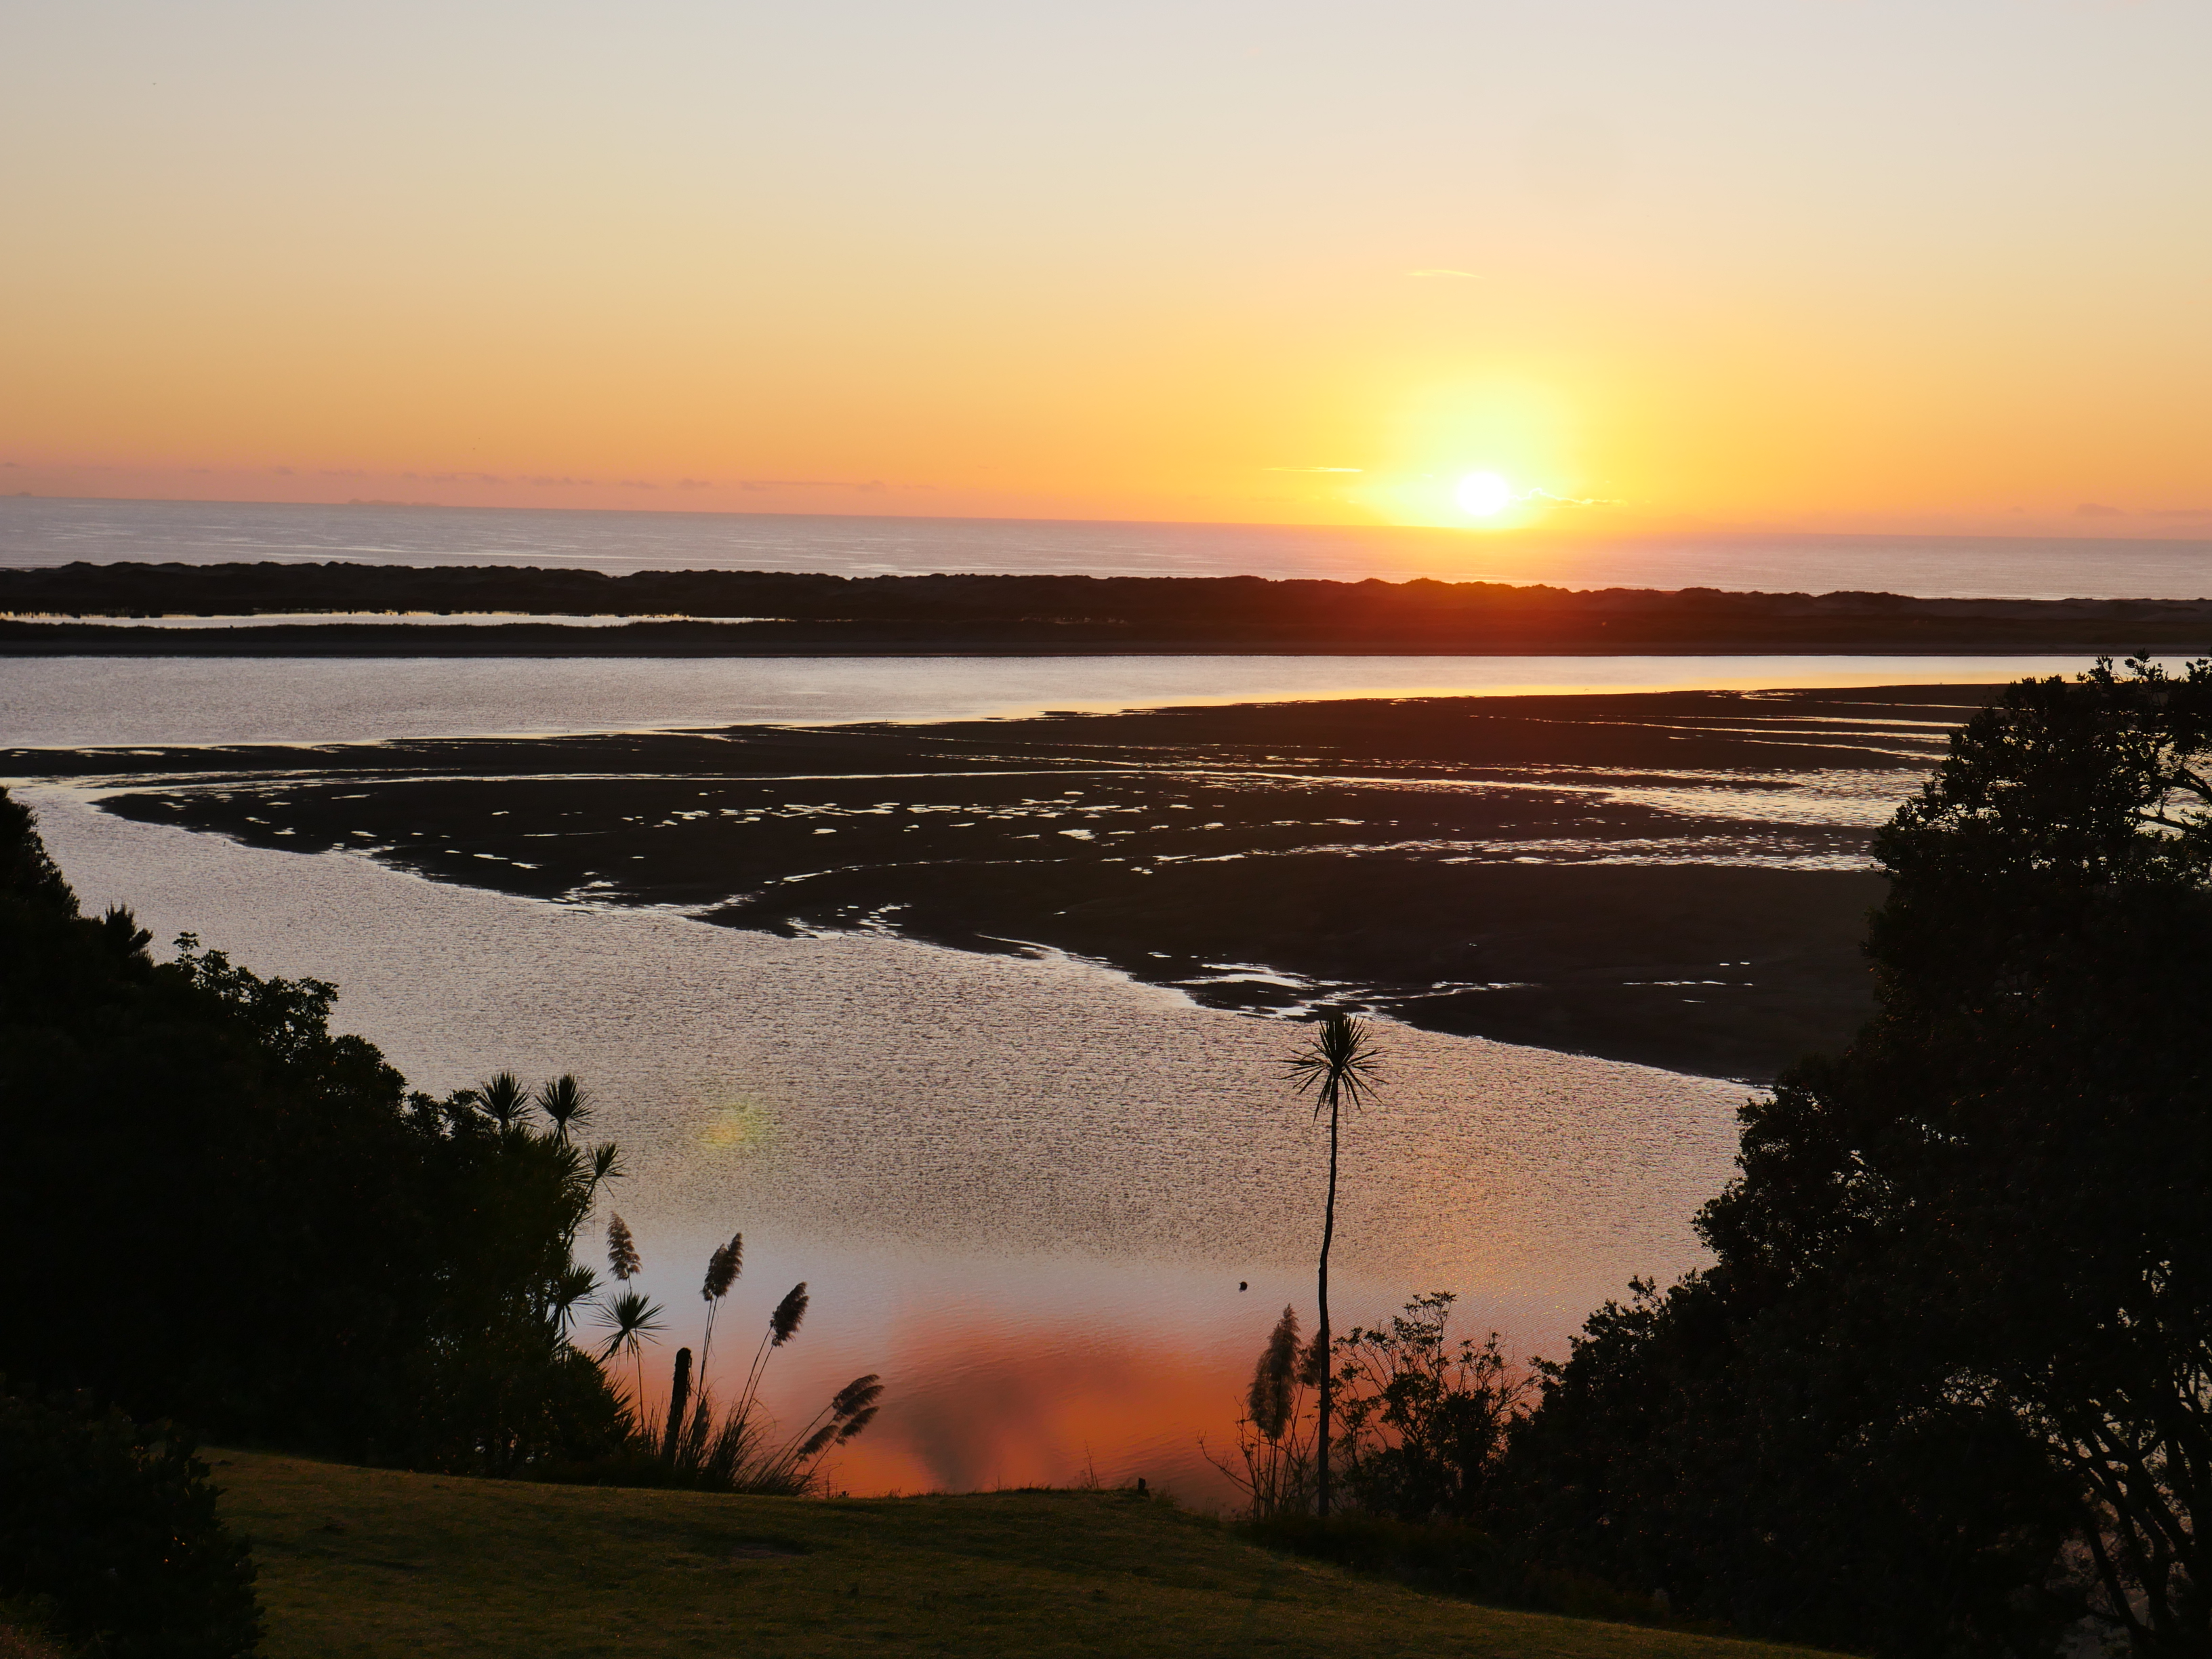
1481 495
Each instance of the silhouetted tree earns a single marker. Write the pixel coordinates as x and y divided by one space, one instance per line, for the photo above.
252 1225
1949 1379
1424 1418
1337 1066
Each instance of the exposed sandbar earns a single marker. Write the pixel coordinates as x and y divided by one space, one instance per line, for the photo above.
1678 878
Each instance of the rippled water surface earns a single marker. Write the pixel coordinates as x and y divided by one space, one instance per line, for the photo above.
352 618
83 702
35 532
1024 1190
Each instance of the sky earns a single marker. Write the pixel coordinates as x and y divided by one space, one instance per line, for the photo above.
1559 266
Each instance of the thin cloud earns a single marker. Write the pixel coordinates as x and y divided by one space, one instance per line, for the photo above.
1317 468
1438 270
1549 499
2097 510
811 484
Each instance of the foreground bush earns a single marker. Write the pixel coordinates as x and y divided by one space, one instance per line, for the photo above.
1947 1387
109 1532
261 1231
1422 1419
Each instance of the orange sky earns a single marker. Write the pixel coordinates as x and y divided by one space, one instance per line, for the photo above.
1818 264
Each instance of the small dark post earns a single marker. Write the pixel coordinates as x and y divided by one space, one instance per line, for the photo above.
679 1396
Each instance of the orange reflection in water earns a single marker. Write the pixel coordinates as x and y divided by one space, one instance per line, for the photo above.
1047 1407
1042 1372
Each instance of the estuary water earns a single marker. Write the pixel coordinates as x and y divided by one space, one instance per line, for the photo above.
1026 1192
48 702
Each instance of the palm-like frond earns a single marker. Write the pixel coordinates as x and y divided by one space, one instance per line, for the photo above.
564 1101
630 1317
606 1164
504 1099
574 1284
1341 1062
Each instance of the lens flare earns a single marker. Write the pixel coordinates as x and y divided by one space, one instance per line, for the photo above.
1482 494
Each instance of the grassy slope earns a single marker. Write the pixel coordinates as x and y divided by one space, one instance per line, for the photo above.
370 1562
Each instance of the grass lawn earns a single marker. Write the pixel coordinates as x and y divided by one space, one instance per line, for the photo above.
360 1562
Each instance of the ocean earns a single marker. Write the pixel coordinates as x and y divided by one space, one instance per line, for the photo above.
39 530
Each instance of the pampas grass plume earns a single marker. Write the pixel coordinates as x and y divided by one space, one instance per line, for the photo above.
857 1395
1268 1405
783 1323
622 1250
861 1421
723 1268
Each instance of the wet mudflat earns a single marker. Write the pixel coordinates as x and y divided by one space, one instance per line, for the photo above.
1679 879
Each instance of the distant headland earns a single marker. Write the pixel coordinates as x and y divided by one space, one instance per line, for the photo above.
746 613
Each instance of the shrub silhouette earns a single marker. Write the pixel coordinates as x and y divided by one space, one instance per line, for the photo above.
109 1527
1949 1383
262 1231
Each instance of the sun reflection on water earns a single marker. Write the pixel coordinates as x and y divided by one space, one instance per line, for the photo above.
740 1126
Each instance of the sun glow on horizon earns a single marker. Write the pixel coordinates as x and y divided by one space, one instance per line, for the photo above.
1658 273
1483 495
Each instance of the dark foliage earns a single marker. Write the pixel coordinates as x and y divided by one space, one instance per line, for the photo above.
249 1224
1778 1469
1950 1379
108 1528
1419 1431
1424 1418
